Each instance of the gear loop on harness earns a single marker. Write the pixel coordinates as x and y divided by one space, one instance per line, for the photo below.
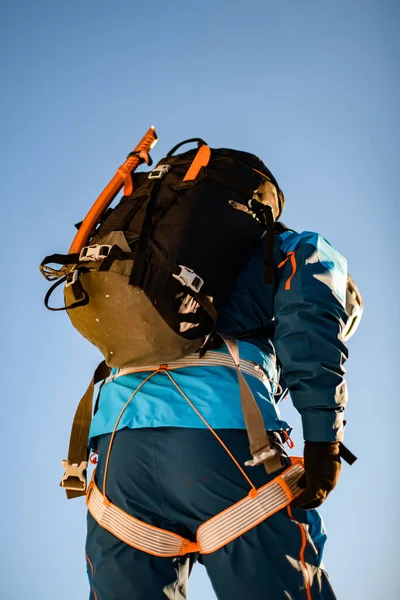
252 486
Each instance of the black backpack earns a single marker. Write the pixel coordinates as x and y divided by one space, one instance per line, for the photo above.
146 287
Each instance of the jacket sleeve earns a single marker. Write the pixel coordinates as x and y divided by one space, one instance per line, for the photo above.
309 308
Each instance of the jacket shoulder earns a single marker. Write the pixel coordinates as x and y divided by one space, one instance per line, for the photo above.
317 258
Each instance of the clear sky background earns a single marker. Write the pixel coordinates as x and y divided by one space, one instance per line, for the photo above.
311 87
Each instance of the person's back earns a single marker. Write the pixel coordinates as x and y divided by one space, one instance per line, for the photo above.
164 467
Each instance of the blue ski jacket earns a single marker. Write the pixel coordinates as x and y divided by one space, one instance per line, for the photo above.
292 329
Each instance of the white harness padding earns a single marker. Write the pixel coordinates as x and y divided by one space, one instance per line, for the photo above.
249 512
221 529
132 531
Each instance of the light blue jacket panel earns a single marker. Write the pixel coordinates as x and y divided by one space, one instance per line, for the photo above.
213 390
301 314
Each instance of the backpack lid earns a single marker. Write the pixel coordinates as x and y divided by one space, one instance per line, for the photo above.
268 191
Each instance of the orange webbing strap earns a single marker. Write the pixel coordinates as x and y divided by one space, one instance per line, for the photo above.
253 488
201 159
164 369
260 447
215 533
116 426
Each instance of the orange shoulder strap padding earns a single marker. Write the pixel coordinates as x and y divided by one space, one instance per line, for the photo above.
201 159
121 177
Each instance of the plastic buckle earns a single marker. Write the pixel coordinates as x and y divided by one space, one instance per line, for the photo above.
159 172
259 458
189 278
96 252
72 278
74 477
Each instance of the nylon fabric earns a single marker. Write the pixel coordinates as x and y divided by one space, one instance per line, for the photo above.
214 391
263 563
335 264
213 359
313 364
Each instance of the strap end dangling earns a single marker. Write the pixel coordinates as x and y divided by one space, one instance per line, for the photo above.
269 246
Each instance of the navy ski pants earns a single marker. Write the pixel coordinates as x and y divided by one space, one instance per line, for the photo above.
176 479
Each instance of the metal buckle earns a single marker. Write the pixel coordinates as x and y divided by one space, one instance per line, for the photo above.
74 477
259 458
159 172
96 252
72 278
189 278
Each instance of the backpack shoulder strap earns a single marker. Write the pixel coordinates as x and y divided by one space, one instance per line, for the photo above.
74 479
260 447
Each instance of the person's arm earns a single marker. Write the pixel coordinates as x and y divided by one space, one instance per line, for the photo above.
309 317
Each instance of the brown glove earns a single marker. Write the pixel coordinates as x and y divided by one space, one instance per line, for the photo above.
322 469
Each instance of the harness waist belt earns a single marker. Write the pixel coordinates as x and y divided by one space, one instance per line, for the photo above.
211 359
214 533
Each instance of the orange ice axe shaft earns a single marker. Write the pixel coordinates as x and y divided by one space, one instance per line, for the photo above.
121 177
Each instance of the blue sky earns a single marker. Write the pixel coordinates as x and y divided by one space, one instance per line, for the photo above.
310 87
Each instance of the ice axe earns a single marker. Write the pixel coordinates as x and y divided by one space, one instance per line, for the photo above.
123 177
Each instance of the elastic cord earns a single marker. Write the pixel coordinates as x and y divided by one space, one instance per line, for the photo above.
212 431
162 369
115 428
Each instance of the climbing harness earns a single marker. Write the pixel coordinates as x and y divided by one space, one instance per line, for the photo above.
74 481
258 505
